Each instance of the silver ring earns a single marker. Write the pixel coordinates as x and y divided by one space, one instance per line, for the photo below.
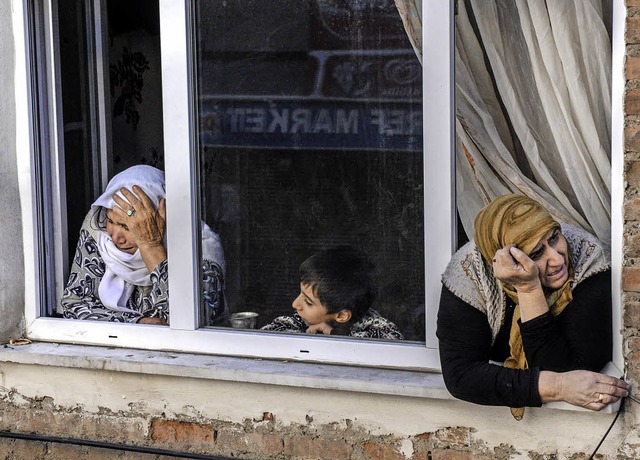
131 212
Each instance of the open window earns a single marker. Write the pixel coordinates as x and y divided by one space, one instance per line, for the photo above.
282 135
285 128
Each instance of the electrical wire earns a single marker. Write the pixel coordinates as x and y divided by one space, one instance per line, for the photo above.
108 445
609 429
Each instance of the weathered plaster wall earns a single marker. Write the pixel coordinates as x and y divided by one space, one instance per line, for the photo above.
11 255
274 422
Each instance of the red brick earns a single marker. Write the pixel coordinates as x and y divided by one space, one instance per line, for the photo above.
633 343
450 454
632 170
228 440
632 32
51 422
56 451
455 435
632 209
633 355
377 451
631 279
423 436
185 433
631 315
632 102
421 455
314 448
632 138
266 445
632 67
631 245
21 448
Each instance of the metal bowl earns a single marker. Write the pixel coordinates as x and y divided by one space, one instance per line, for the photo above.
244 320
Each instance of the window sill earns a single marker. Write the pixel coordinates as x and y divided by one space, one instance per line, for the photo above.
249 370
382 381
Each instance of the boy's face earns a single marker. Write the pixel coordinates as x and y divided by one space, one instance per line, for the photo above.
310 309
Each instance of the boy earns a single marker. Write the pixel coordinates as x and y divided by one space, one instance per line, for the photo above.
337 290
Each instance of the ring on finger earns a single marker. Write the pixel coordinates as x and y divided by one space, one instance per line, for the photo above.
600 397
131 212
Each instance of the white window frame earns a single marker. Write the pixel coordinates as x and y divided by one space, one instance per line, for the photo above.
181 335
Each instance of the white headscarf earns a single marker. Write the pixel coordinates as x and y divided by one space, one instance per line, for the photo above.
125 271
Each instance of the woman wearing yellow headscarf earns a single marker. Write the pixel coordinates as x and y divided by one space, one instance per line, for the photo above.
535 296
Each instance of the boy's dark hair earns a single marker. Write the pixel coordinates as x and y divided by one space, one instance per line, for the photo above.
342 278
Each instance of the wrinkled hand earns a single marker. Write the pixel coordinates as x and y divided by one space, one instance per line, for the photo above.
320 328
587 389
147 224
513 267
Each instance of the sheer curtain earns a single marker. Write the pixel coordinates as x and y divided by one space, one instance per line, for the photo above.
411 14
533 88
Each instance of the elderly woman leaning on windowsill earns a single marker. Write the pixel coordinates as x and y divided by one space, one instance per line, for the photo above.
119 272
532 294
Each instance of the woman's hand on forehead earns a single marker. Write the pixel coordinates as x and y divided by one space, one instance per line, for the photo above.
146 223
137 201
513 267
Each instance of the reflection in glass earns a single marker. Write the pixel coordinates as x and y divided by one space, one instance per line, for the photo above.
310 132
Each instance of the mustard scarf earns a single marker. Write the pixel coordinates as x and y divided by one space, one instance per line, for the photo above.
516 219
557 302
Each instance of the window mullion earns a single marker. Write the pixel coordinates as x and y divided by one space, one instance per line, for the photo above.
182 246
439 164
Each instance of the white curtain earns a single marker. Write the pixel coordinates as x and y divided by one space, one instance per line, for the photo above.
411 14
545 129
533 88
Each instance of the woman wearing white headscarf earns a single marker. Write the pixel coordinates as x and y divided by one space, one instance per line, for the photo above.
119 272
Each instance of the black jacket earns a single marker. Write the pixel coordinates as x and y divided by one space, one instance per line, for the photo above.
579 338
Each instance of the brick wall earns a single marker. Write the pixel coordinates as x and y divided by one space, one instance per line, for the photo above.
262 439
631 212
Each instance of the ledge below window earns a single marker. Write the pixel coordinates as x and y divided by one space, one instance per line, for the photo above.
248 370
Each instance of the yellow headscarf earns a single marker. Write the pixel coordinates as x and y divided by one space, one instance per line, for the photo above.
519 220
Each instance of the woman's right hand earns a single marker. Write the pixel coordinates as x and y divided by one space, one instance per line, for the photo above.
513 267
587 389
146 223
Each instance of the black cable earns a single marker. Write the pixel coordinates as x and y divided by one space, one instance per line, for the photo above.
108 445
609 429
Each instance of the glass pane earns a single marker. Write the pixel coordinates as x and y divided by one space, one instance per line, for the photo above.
310 137
111 105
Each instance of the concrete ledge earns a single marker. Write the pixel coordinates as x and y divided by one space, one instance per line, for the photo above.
382 381
272 372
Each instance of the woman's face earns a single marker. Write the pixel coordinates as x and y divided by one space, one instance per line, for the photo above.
119 234
552 259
